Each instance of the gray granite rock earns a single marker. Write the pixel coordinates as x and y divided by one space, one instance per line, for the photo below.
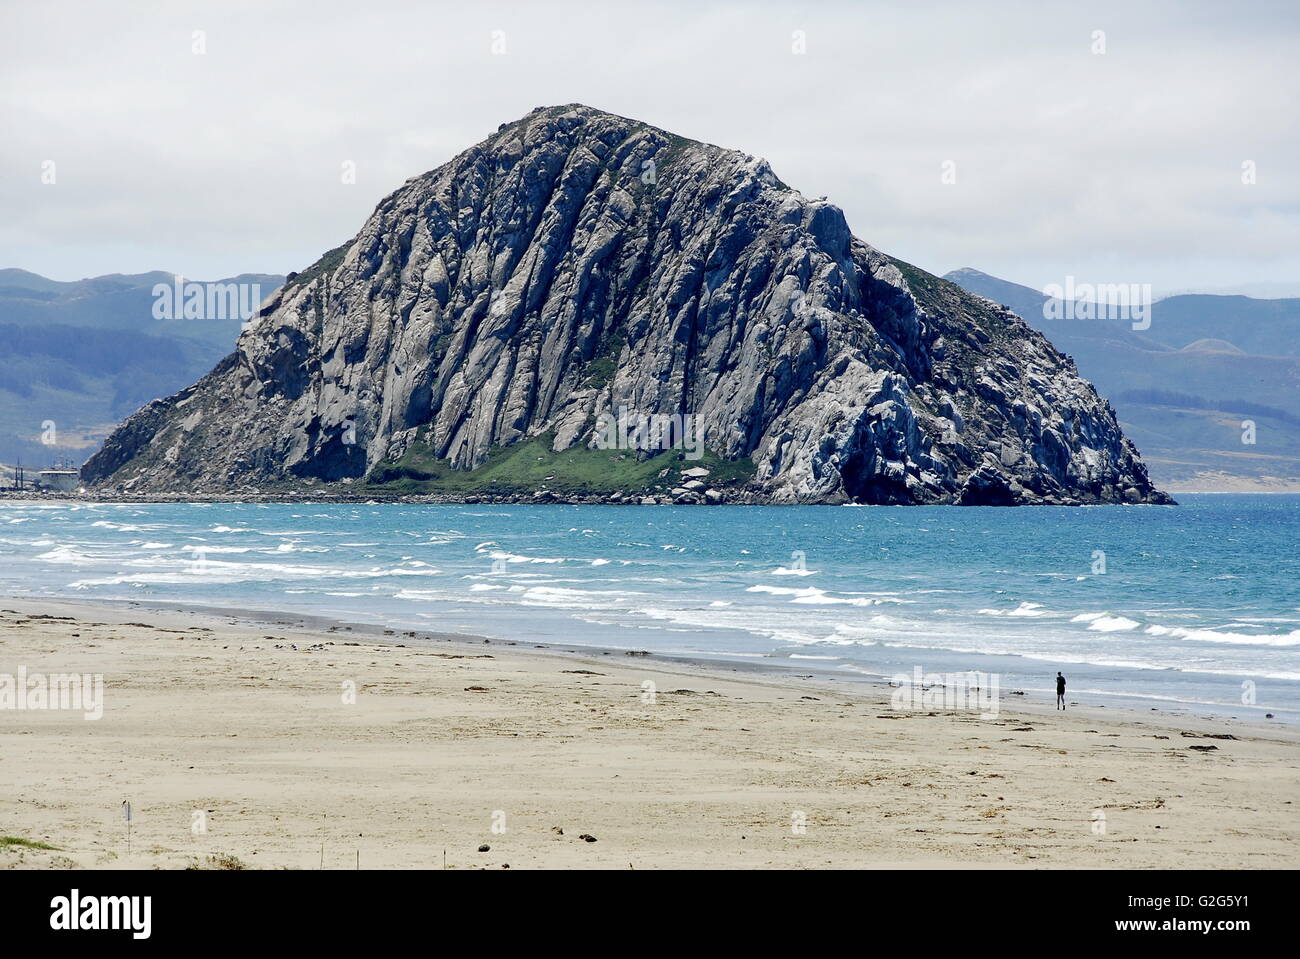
576 263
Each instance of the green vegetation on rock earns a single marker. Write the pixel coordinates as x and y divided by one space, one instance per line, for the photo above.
326 264
532 465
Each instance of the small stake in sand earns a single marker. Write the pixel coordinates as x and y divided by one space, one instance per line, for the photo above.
126 812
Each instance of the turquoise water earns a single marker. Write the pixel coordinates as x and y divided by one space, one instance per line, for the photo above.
1194 601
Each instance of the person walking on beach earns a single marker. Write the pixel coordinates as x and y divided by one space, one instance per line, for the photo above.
1060 691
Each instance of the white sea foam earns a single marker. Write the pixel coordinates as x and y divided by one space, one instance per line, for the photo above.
66 555
572 598
825 599
1234 639
293 548
518 558
1029 610
121 527
1106 622
812 596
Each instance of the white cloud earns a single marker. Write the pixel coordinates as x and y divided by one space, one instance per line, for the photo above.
1119 167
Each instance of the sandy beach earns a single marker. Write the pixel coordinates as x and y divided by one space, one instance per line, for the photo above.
237 742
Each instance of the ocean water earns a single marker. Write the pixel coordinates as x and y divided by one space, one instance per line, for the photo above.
1197 607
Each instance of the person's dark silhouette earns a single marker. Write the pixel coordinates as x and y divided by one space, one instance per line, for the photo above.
1060 691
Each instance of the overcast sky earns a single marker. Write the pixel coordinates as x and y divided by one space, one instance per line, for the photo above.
1123 166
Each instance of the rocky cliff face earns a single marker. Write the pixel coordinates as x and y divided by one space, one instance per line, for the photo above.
576 263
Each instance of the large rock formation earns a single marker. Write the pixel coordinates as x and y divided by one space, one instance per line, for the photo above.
577 262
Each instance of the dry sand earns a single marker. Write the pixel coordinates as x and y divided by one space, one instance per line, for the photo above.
219 717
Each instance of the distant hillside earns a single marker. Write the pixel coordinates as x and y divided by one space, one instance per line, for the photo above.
1183 387
117 302
86 354
1258 327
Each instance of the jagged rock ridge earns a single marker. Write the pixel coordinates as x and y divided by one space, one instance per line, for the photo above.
576 262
